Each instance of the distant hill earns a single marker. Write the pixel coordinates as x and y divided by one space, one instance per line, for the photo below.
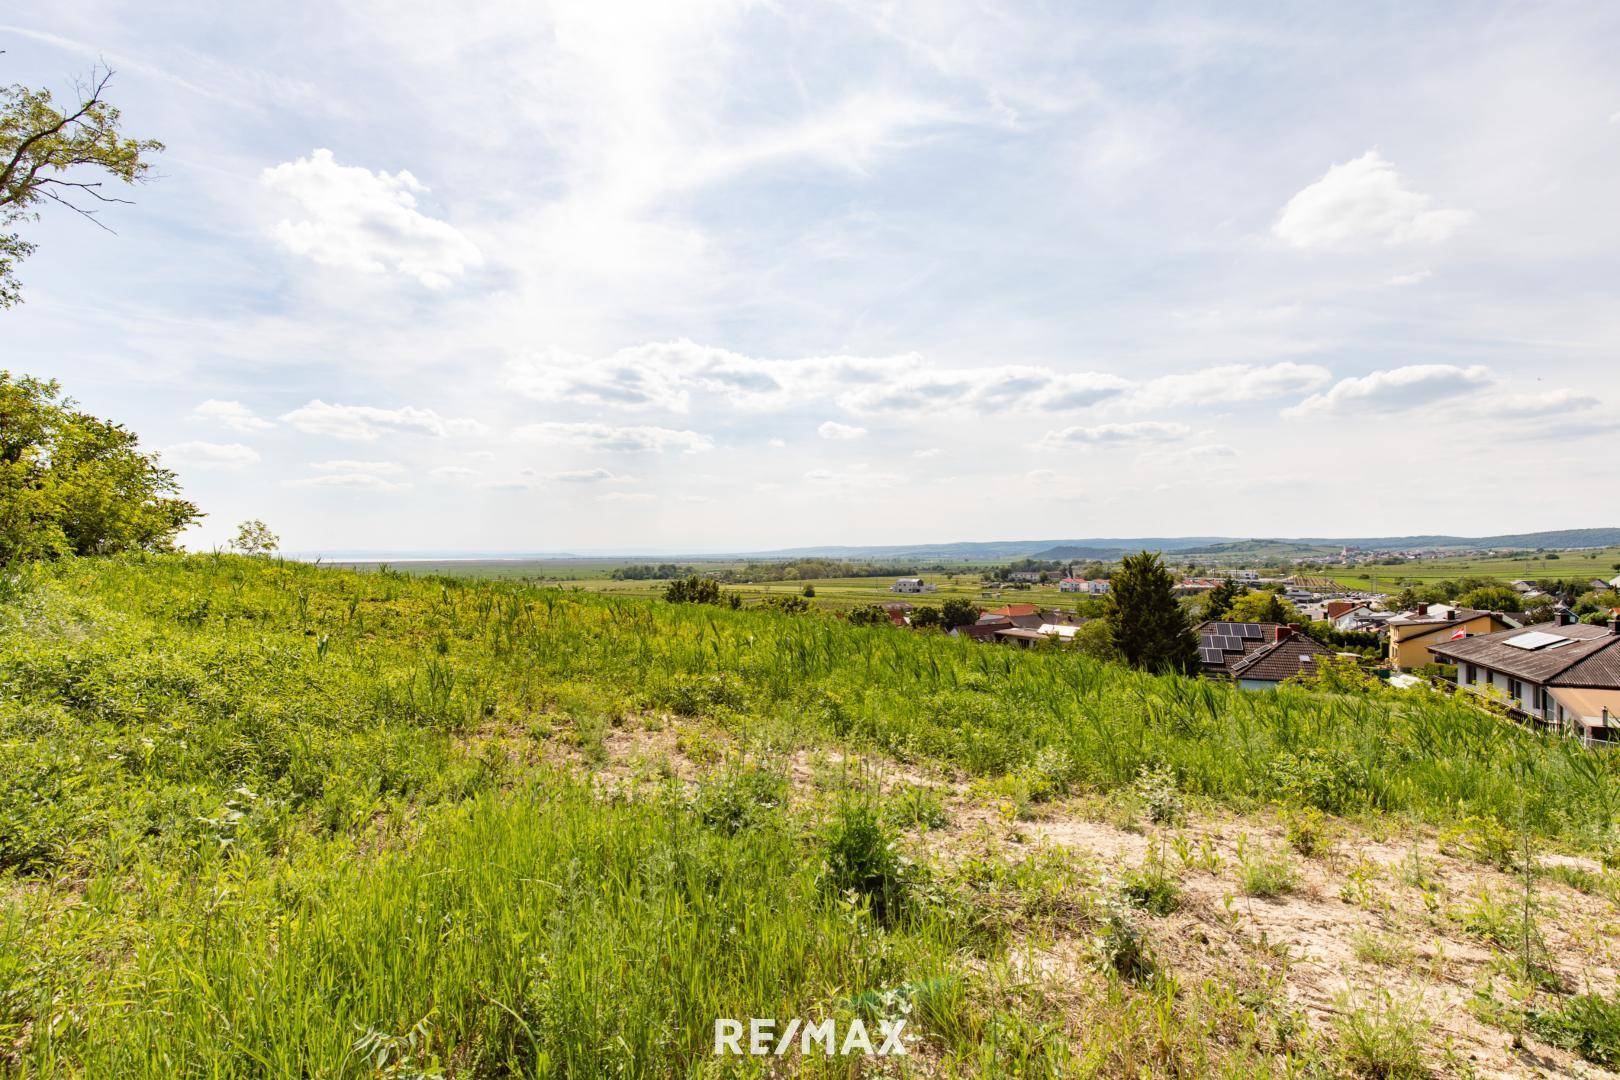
1216 546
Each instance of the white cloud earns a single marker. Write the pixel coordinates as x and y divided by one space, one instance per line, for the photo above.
1209 451
453 472
626 497
832 429
354 480
589 476
1141 431
777 444
208 455
356 219
1041 476
503 485
343 465
1231 384
854 478
666 375
231 415
366 423
927 453
1413 278
1362 203
1541 404
1395 389
984 390
617 439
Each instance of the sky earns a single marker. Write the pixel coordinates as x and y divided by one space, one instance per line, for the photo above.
718 276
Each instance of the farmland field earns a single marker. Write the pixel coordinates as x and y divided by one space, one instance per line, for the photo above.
1568 565
835 594
263 818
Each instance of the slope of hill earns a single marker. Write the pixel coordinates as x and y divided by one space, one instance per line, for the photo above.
273 819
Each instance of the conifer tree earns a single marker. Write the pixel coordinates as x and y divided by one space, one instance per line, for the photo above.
1148 627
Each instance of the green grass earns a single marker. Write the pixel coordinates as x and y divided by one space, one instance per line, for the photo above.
262 818
1568 566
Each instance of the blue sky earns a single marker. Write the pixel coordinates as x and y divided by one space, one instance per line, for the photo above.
713 275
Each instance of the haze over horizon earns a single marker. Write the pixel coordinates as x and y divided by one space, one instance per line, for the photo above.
730 277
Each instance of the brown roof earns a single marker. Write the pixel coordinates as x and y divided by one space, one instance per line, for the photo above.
1591 659
1269 656
1412 618
1016 609
981 631
1280 660
1020 634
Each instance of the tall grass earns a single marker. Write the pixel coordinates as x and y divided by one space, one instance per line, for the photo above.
266 818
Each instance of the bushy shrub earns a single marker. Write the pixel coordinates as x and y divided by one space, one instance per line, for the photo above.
742 797
1588 1024
861 858
1328 779
700 695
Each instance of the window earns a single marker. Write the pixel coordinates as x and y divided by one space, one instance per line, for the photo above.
1471 674
1515 688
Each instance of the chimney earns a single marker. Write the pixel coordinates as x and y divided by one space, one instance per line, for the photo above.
1614 624
1563 616
1286 632
1423 609
1451 613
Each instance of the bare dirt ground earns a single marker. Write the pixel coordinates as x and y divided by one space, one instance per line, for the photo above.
1396 912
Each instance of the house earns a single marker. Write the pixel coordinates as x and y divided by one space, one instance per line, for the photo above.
1361 618
1521 586
1022 625
1256 656
1092 587
1562 673
1031 576
1412 633
1196 586
1333 609
912 585
1024 616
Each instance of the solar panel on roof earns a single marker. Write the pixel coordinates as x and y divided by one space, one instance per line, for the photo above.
1231 643
1206 641
1210 656
1250 631
1536 639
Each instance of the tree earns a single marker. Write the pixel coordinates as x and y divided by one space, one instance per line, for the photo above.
693 590
1147 626
255 538
809 592
47 154
958 612
71 484
1095 640
1219 599
1263 607
869 615
1492 598
925 617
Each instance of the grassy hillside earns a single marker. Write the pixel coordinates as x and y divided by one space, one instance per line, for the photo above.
270 819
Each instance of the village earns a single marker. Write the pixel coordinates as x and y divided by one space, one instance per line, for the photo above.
1552 661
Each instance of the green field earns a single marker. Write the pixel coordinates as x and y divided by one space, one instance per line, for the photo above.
833 594
1569 566
267 819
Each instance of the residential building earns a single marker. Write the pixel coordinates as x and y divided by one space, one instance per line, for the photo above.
1093 587
912 585
1256 656
1563 674
1030 576
1412 633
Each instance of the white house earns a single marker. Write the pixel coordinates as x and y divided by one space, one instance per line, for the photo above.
912 585
1097 587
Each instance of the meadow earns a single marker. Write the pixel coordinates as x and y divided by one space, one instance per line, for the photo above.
1568 565
264 818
